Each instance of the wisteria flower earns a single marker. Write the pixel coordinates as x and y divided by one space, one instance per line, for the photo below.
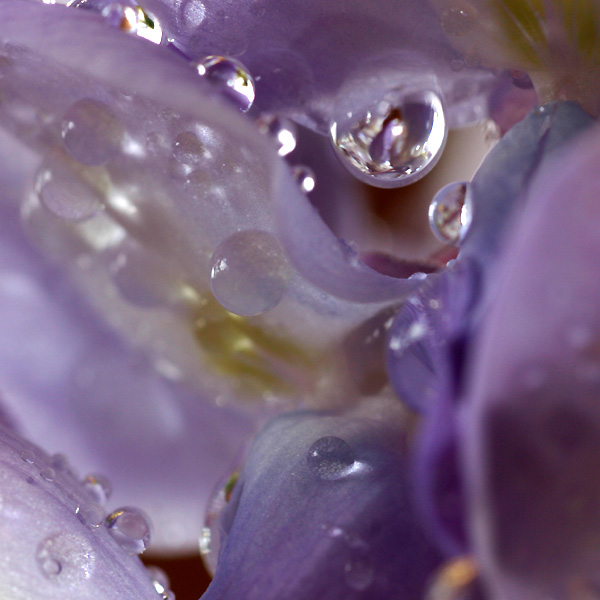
191 246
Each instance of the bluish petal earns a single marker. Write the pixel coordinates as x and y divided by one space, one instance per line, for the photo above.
323 509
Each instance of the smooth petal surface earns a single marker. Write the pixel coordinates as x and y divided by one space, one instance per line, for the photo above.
530 425
323 509
47 552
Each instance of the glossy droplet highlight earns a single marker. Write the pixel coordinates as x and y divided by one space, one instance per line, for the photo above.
67 559
188 149
281 130
131 18
159 579
91 514
130 527
27 456
330 457
230 77
248 275
91 133
394 142
450 213
98 487
304 177
455 580
359 570
48 474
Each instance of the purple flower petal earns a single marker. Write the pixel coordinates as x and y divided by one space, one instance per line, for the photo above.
323 510
530 425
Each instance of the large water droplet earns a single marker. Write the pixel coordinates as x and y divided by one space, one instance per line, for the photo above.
248 273
98 487
281 130
394 142
91 132
90 514
65 193
330 457
130 527
450 214
455 580
304 177
66 559
359 570
231 77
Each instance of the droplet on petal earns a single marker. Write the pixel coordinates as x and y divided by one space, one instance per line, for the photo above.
27 456
130 527
281 130
395 141
91 132
131 18
66 558
248 273
304 177
48 474
450 213
98 487
330 457
231 77
90 514
188 149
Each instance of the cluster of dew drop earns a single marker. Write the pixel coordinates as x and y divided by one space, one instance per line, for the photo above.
68 558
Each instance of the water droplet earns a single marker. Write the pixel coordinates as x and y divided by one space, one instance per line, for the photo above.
248 273
450 214
98 487
161 583
455 580
305 178
48 474
131 18
281 130
65 193
28 456
330 457
91 132
359 571
90 514
456 22
130 527
66 559
188 149
192 12
231 77
393 143
61 463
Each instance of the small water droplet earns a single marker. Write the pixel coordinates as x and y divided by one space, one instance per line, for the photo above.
131 18
48 474
91 132
456 22
90 514
61 463
450 213
455 580
161 583
248 273
280 129
188 149
28 456
98 487
65 193
231 77
65 558
394 142
304 177
359 570
330 457
193 13
130 527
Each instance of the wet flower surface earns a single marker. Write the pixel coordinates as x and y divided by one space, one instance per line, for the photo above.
210 307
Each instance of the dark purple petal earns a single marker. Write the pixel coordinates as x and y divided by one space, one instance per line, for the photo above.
530 425
323 509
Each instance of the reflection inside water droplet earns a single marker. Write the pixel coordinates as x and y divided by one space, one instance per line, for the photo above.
330 457
281 130
130 527
395 141
450 214
248 274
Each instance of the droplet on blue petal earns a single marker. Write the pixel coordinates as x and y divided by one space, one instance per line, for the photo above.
66 194
330 457
131 18
395 141
130 527
65 558
281 130
91 514
304 177
359 570
192 12
98 487
48 474
91 133
248 274
231 77
450 213
27 456
457 579
188 149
